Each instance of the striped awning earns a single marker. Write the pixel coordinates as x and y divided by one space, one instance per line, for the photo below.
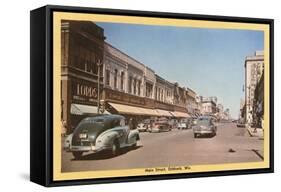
164 113
132 110
78 109
180 114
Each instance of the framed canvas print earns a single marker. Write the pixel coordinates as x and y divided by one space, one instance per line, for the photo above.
119 95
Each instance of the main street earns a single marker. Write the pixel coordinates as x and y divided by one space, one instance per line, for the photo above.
175 148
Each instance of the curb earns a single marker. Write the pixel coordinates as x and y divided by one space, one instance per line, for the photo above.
253 135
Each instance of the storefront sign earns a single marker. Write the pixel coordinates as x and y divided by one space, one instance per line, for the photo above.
84 92
123 97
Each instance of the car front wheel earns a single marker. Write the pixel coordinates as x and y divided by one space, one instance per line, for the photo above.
115 148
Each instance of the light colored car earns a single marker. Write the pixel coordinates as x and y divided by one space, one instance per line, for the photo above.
204 125
142 127
105 132
145 125
160 125
185 123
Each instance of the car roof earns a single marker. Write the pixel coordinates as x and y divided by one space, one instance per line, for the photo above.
205 117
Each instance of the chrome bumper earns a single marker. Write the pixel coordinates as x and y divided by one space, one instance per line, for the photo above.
87 148
203 131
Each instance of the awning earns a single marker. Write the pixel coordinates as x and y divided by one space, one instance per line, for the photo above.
163 113
179 114
78 109
131 110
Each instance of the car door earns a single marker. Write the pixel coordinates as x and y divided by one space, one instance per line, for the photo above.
122 129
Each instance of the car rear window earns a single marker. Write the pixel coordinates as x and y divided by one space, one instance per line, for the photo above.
203 121
92 126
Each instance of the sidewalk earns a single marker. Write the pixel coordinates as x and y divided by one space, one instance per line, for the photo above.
255 133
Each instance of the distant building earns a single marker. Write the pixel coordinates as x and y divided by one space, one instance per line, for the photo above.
192 106
164 90
242 110
209 105
227 114
253 71
220 111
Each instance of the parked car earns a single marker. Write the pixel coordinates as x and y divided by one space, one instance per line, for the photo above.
105 132
204 125
182 124
145 125
141 127
240 123
234 121
173 123
185 123
160 125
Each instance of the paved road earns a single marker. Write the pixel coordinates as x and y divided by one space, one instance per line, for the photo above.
175 148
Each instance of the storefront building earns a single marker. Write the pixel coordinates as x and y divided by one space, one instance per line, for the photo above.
82 47
192 106
134 90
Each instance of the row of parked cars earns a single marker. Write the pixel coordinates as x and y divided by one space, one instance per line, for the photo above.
164 124
111 133
203 125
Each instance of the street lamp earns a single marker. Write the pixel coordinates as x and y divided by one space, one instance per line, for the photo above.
99 64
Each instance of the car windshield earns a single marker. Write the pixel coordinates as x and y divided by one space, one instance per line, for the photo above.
203 121
146 121
183 120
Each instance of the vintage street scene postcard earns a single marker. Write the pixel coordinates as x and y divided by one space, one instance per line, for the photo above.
149 96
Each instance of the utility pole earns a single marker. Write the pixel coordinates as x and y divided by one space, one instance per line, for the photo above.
99 65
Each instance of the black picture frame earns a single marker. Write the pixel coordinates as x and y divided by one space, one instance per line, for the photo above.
41 94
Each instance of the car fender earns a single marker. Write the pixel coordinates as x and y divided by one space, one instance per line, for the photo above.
132 135
106 139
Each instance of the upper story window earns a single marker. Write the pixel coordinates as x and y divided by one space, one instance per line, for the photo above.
115 78
148 90
122 81
139 87
156 93
130 84
135 86
107 77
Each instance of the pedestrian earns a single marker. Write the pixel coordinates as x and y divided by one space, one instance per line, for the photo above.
63 128
130 123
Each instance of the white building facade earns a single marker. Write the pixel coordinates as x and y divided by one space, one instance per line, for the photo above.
253 70
125 74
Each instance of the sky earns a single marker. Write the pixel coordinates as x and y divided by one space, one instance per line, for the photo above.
209 61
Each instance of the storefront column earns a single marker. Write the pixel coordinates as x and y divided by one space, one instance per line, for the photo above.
66 104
